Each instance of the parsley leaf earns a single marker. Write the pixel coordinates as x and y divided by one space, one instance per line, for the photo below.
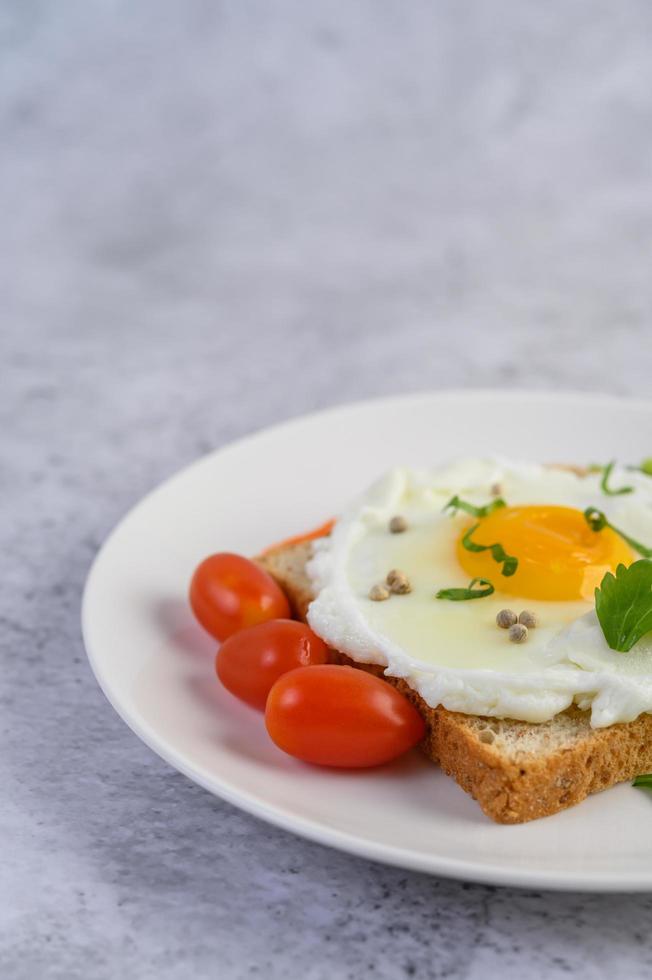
623 605
459 595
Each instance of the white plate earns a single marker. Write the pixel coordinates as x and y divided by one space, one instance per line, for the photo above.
156 666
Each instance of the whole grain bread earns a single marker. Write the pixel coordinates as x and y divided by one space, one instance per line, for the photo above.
517 771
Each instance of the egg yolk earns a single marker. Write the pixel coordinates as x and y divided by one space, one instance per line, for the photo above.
559 556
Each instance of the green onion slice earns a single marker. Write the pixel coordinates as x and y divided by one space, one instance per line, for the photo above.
460 595
609 491
597 520
498 553
644 780
456 503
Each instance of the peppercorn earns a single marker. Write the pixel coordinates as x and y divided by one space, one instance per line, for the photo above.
518 633
378 592
505 618
528 618
398 582
398 524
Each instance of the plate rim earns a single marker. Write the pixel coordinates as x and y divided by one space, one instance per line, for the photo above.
454 868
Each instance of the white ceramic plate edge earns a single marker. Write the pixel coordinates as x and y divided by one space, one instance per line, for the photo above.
599 881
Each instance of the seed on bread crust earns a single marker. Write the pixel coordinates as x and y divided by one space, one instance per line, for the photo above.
506 618
398 524
518 633
378 592
528 618
398 582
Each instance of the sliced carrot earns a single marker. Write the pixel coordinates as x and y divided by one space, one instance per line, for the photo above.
318 532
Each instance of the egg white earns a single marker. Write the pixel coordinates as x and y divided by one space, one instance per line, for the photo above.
452 652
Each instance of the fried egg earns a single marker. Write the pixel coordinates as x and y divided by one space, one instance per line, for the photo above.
452 652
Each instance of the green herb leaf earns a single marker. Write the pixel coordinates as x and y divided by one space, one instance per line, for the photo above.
498 553
623 605
459 595
456 503
597 521
606 473
644 780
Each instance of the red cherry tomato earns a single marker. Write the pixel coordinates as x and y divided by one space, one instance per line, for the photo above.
340 716
250 662
229 592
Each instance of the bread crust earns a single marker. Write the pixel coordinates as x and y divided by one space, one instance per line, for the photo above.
517 771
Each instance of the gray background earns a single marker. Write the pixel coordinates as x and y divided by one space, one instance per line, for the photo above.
217 215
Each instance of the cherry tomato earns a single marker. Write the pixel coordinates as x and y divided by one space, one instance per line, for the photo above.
340 716
229 592
249 662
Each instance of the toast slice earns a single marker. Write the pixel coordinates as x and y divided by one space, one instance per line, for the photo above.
516 770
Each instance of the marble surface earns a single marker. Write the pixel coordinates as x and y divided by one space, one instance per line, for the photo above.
214 216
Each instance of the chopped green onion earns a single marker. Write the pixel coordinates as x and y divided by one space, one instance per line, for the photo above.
597 521
606 473
498 553
644 780
459 595
456 503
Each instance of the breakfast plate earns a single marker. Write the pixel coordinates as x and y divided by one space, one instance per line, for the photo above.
155 664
